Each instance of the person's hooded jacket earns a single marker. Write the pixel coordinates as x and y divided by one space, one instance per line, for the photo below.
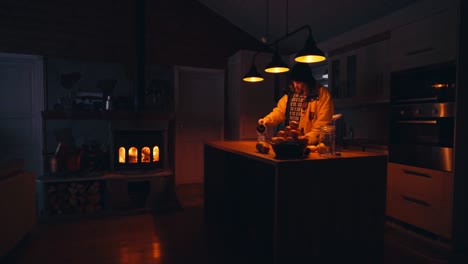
320 107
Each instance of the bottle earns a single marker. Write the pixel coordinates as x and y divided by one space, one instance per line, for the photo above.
261 132
262 146
108 105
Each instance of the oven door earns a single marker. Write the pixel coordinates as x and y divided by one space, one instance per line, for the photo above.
422 136
423 156
430 84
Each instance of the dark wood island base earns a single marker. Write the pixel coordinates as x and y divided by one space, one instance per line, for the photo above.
313 210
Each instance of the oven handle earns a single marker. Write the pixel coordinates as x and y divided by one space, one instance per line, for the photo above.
417 100
417 173
417 121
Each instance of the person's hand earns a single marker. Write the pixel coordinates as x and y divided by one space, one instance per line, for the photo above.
313 138
265 121
312 141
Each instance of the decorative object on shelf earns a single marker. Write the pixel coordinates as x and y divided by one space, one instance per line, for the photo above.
107 87
108 103
67 81
88 100
157 95
94 157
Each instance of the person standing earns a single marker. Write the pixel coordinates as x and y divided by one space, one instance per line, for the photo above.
306 103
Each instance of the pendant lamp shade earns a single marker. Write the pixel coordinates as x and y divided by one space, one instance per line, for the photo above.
310 53
276 65
253 75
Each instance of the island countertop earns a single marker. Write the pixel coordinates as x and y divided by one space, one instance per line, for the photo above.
247 148
287 211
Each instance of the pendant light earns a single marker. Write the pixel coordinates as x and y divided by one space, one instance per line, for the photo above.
310 53
253 75
276 65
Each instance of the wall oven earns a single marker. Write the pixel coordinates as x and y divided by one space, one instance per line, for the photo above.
422 117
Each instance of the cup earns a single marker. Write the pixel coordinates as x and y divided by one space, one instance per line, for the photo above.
326 145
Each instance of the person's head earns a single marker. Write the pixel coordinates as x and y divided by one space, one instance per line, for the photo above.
301 79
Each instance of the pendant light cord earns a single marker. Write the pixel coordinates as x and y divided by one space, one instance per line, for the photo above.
267 23
287 15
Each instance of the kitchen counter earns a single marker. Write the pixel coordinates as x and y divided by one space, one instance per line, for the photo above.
328 210
247 148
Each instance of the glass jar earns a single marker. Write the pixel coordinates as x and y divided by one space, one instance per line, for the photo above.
326 145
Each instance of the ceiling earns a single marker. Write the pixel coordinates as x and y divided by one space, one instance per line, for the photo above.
327 18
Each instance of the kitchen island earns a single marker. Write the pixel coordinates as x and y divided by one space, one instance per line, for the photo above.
311 210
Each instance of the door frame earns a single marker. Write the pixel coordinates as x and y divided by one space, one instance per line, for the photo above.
177 69
177 123
37 100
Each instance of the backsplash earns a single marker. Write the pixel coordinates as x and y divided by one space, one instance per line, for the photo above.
369 123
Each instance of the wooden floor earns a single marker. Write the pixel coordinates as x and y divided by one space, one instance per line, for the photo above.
177 236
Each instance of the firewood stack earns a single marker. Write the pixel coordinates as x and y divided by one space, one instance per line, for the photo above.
74 197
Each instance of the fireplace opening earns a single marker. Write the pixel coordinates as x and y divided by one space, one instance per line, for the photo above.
139 150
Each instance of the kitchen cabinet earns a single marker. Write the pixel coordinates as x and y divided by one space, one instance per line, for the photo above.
342 74
373 82
420 197
359 72
426 41
300 210
247 102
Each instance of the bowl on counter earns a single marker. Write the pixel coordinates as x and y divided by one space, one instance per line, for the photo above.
290 149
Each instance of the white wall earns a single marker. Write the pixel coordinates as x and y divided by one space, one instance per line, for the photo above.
21 103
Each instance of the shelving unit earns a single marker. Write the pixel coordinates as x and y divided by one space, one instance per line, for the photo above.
81 193
99 194
104 115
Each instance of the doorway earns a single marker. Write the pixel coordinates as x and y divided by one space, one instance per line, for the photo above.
199 104
22 100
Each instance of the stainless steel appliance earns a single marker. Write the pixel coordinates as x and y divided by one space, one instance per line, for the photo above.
429 84
422 117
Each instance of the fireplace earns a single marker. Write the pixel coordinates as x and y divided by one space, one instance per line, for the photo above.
139 146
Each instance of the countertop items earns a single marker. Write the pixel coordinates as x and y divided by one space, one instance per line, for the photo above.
315 209
247 148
